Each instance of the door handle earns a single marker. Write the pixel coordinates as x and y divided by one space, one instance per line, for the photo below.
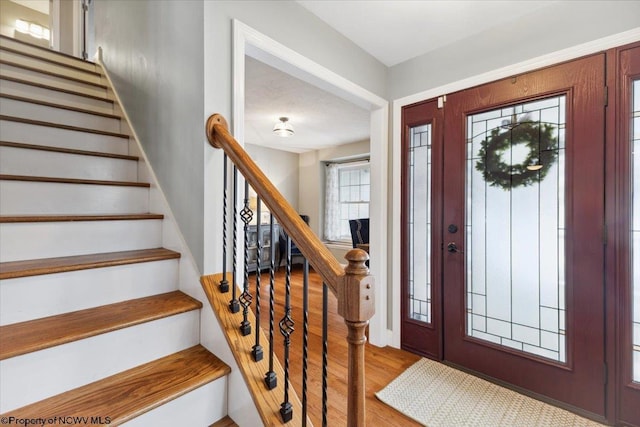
452 247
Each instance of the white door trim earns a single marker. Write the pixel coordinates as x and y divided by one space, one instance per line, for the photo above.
248 41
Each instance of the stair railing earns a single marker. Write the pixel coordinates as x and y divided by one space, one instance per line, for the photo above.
352 285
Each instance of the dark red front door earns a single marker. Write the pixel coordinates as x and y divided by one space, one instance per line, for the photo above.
510 284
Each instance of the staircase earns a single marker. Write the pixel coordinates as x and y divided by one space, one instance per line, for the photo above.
94 328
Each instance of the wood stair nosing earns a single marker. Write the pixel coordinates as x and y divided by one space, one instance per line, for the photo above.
50 61
55 88
33 335
47 50
224 422
61 126
12 219
28 146
55 180
131 393
26 268
59 106
53 74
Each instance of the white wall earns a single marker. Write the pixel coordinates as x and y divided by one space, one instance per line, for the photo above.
513 42
281 167
10 11
312 173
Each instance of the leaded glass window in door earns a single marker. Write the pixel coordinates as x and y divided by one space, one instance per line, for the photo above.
635 227
515 227
419 223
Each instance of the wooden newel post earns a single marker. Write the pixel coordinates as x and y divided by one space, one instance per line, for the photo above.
356 306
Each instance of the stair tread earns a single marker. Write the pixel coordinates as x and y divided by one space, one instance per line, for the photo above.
131 393
33 335
46 50
60 106
66 150
61 126
4 219
15 269
55 88
61 64
53 74
72 180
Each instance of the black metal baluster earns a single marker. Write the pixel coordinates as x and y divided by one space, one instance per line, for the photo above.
271 379
286 329
223 286
245 296
234 306
305 336
325 350
257 348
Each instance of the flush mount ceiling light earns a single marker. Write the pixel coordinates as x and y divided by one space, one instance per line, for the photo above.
283 127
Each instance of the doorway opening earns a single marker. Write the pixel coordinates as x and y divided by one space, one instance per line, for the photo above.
249 42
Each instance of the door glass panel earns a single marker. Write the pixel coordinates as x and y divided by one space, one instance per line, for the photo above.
419 224
515 227
635 227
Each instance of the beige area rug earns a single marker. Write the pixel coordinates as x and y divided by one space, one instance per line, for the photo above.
437 395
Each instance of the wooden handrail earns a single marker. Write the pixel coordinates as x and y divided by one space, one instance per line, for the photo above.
352 285
320 258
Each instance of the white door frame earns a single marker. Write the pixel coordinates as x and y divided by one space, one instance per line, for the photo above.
54 24
248 41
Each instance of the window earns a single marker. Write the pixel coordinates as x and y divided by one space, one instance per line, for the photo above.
347 197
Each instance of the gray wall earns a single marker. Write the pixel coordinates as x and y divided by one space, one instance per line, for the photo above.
281 167
581 21
153 50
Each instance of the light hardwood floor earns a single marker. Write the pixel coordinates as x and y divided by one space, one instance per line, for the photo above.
382 364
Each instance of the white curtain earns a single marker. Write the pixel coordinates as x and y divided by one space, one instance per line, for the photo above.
332 203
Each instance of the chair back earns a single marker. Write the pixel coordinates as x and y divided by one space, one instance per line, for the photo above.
359 231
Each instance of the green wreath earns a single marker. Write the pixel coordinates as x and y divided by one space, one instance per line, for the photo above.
542 150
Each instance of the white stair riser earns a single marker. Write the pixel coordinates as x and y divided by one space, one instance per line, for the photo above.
41 374
55 81
49 95
48 66
62 138
28 110
34 297
200 407
32 198
23 161
35 240
48 54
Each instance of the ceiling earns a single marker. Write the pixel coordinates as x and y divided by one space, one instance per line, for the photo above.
321 119
415 27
